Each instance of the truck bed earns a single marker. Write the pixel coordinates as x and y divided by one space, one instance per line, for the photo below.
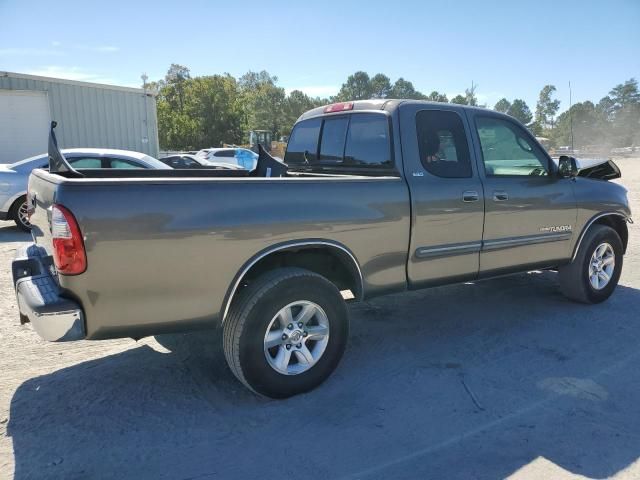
166 246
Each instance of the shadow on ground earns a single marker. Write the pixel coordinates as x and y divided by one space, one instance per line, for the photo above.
468 381
9 232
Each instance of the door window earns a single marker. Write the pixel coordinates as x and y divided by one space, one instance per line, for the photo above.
508 150
189 162
85 162
124 164
443 146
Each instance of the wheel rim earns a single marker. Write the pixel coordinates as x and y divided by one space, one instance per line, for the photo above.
23 215
601 266
296 338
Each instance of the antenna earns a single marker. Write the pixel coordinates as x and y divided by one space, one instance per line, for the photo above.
570 117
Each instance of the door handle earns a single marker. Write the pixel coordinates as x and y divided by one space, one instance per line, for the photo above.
500 196
470 196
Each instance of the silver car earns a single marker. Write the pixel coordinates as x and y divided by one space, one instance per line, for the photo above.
241 157
14 177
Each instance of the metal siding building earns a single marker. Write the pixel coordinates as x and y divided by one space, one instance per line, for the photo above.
88 115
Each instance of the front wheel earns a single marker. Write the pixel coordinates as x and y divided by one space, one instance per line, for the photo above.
286 332
593 275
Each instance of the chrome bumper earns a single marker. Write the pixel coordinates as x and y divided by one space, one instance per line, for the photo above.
54 317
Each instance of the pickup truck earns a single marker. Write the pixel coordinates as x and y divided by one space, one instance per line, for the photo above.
373 197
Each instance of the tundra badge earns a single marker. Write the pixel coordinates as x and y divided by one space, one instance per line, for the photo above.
556 229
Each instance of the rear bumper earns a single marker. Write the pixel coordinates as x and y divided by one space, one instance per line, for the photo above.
54 317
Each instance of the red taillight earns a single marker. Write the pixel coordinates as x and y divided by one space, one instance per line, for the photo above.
68 247
338 107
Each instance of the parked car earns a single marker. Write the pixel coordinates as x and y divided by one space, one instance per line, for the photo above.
184 161
392 196
243 157
14 177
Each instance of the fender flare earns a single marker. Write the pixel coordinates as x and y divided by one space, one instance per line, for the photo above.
590 223
231 291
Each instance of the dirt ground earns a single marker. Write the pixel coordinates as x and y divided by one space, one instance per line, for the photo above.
499 379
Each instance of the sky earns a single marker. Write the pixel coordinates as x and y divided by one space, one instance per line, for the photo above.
507 48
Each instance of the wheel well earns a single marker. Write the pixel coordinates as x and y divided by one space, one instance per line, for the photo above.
619 224
335 264
15 205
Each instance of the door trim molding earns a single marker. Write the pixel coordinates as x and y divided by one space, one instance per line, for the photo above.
446 250
498 244
490 245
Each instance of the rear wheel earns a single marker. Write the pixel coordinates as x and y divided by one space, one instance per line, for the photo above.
286 333
593 275
20 214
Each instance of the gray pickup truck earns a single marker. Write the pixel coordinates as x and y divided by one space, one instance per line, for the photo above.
373 197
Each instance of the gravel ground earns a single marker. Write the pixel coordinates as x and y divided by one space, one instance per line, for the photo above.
504 378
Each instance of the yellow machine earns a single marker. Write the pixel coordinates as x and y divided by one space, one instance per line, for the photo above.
265 138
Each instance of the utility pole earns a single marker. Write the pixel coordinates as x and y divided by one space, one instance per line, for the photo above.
145 135
570 117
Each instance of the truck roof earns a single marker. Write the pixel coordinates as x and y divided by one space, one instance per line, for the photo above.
386 104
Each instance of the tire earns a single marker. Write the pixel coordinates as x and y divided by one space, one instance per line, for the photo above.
17 213
258 309
577 280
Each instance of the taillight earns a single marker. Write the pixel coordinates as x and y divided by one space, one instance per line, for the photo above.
68 247
338 107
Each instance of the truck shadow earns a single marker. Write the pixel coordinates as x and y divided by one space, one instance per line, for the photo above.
467 381
9 232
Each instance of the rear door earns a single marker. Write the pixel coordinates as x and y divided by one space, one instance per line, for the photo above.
446 194
529 211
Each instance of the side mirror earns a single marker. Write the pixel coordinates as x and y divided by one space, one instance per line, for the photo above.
567 167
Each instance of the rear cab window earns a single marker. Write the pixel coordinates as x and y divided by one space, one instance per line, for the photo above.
303 142
355 143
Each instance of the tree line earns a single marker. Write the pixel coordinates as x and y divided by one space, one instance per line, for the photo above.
205 111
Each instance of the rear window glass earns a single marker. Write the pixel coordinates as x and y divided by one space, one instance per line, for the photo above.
225 153
303 142
346 142
27 161
368 141
332 143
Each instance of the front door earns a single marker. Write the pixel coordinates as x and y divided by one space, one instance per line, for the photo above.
447 204
530 212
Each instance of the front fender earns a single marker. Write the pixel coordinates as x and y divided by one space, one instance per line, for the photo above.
596 200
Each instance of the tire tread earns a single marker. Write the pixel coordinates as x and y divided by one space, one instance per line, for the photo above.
233 325
572 282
